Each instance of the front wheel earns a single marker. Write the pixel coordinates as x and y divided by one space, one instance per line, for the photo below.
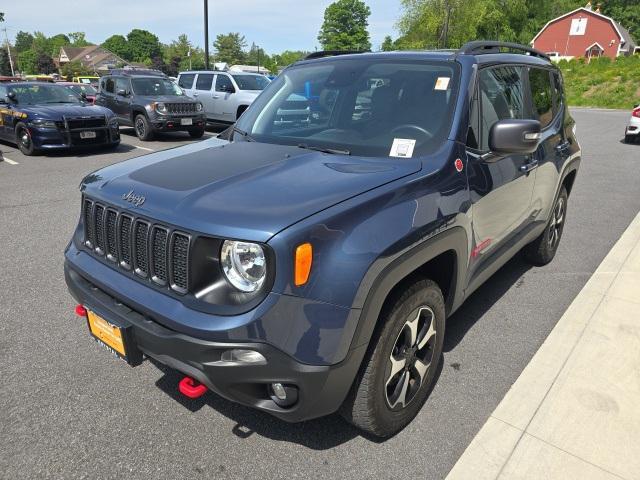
400 368
542 250
142 127
24 140
629 138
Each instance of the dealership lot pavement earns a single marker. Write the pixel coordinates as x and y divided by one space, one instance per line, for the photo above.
69 410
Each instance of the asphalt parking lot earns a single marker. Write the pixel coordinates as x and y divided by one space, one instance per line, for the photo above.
69 410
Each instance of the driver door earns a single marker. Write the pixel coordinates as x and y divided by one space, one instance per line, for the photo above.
224 104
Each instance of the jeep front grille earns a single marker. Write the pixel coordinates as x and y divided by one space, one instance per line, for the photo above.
181 108
153 251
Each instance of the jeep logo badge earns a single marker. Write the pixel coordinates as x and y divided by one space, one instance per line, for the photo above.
133 199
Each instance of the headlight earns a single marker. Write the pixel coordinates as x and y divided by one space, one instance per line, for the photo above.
244 264
161 107
199 107
40 123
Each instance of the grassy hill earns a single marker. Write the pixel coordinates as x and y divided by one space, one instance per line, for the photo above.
603 82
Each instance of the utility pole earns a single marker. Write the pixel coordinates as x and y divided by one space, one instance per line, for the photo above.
206 34
13 73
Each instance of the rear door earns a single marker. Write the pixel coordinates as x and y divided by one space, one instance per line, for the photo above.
548 108
203 92
500 186
122 103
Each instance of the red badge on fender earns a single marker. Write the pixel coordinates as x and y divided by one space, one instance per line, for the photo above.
459 165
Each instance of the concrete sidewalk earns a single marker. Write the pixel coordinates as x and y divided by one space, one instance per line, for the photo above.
574 412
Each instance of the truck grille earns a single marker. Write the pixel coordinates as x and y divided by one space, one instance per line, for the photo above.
181 108
82 123
152 251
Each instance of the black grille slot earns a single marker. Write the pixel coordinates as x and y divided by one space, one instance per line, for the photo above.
179 262
181 108
88 224
79 123
99 228
141 241
124 232
159 255
111 224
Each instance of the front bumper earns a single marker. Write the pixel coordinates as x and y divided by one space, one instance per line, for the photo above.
173 123
54 139
321 388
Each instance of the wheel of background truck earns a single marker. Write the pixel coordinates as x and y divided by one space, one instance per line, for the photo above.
400 367
542 250
196 133
629 139
142 127
23 139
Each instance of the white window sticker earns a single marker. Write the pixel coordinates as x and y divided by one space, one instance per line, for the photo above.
402 147
442 83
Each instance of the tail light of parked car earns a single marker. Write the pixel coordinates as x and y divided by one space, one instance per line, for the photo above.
636 112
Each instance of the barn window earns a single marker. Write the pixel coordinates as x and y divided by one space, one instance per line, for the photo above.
578 26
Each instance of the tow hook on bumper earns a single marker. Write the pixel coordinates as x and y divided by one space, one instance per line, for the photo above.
191 388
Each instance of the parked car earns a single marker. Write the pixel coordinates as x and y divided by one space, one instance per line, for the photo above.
39 116
304 269
150 103
632 132
225 95
87 80
83 90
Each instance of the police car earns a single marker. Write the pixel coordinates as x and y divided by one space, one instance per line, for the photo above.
40 116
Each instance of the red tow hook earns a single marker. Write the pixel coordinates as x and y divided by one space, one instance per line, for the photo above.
191 388
81 311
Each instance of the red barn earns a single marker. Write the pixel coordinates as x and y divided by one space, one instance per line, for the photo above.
584 33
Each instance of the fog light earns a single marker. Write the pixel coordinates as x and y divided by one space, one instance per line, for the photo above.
243 356
279 391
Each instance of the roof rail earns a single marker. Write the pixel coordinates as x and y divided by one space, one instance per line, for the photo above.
481 47
332 53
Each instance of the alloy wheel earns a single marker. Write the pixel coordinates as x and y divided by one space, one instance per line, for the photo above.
140 128
557 219
410 358
25 138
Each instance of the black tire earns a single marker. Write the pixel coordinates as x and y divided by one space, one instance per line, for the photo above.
196 133
629 139
142 127
374 403
542 250
23 139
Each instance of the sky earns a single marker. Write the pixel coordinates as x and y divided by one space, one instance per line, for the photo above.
275 25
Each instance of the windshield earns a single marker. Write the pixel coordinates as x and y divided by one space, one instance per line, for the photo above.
155 86
382 108
39 94
251 82
79 89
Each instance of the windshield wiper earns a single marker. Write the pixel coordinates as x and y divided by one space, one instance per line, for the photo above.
59 101
246 135
331 151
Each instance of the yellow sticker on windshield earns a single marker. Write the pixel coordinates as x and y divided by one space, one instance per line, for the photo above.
442 83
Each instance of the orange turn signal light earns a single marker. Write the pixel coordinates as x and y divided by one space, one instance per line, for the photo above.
303 260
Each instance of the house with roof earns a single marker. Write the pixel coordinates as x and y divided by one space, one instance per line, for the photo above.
94 57
584 32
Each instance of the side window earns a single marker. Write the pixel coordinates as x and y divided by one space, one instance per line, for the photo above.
110 85
541 95
186 80
556 85
223 84
122 84
501 97
204 82
3 93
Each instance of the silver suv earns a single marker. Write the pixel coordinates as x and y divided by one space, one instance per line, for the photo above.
225 95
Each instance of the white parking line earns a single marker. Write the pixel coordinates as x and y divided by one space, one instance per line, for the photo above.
144 148
9 161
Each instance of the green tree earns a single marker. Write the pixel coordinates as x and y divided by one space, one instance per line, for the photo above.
627 13
56 42
345 26
73 69
230 48
1 16
143 46
5 65
181 55
288 57
387 44
44 64
78 39
257 56
41 43
28 62
24 41
118 45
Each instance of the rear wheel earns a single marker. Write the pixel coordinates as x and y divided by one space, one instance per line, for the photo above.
142 127
542 250
399 370
629 139
24 140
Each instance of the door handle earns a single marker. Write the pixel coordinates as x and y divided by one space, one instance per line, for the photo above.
527 167
195 94
216 96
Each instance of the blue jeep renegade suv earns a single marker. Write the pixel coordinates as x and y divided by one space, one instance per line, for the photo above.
306 268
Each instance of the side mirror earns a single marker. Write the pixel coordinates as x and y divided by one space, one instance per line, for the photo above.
515 136
12 96
122 92
83 96
227 89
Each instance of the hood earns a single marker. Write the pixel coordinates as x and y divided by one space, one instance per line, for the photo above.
164 98
57 111
244 190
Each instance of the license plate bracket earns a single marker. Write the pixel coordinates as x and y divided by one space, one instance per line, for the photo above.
88 134
119 339
186 121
